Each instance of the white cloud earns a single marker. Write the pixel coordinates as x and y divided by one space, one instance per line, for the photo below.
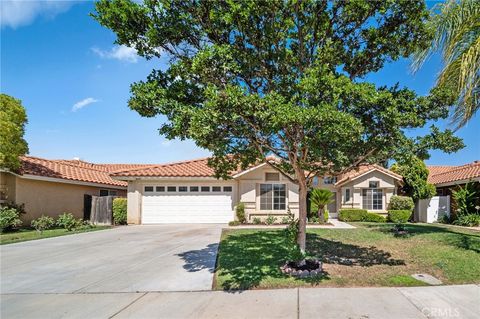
16 13
118 52
81 104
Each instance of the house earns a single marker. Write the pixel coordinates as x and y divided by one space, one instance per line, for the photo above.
188 192
446 178
52 187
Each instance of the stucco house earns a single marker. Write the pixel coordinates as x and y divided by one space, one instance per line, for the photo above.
187 192
52 187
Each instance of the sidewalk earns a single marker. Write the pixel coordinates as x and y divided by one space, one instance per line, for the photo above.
402 303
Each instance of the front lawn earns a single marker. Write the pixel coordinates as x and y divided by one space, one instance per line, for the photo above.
369 255
25 234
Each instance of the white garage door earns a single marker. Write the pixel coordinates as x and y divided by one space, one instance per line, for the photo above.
186 208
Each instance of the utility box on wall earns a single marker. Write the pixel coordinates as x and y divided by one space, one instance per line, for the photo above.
433 209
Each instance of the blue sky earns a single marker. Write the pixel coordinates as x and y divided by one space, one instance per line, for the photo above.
74 83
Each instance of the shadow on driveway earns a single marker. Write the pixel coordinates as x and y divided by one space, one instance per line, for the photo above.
196 260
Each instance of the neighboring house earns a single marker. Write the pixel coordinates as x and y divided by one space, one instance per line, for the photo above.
188 192
446 178
52 187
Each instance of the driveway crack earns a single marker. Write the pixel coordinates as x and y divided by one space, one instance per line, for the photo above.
131 303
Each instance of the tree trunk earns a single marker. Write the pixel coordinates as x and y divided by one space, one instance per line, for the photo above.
302 208
320 215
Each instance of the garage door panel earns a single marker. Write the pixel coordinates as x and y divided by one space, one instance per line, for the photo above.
187 208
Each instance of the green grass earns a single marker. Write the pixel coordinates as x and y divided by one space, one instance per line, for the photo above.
26 234
369 255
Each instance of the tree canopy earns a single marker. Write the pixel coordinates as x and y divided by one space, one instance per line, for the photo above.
248 79
12 129
415 177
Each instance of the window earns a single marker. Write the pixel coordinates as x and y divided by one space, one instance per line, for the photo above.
315 181
148 189
373 184
227 188
372 199
205 188
194 188
107 192
160 188
347 195
171 188
272 196
272 177
182 188
329 180
216 188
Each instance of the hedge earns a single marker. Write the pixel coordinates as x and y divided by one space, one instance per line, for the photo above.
352 215
401 203
399 216
375 218
120 211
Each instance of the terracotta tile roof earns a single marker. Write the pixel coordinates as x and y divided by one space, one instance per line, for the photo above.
71 170
352 174
190 168
453 173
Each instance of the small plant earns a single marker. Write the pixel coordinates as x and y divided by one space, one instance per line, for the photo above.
314 219
270 220
326 215
319 198
257 220
285 220
120 211
240 212
464 198
43 223
9 218
68 222
291 233
470 220
401 203
445 219
234 223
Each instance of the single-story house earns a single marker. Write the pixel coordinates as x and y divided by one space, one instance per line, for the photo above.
188 192
447 178
52 187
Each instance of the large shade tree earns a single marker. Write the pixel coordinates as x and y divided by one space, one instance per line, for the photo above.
13 118
248 79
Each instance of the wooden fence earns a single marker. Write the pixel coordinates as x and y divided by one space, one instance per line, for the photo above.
101 211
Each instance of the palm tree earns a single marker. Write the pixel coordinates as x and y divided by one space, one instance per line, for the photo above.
319 198
455 26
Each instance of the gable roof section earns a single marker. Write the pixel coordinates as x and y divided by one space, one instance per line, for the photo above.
448 174
365 169
190 168
75 170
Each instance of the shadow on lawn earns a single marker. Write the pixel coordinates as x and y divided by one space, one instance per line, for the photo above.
245 259
196 260
450 236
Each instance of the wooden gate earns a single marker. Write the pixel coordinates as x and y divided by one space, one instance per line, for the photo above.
102 210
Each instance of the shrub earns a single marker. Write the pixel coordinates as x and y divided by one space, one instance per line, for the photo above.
234 223
470 220
352 215
257 220
374 218
399 216
270 220
464 198
120 211
240 212
68 221
401 203
285 220
20 208
9 218
291 233
326 215
42 223
314 219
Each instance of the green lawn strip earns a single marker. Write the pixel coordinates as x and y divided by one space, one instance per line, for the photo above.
25 234
369 255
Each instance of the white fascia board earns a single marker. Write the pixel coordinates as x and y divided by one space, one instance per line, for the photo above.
249 170
462 181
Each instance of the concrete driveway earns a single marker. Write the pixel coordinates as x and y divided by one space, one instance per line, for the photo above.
124 259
